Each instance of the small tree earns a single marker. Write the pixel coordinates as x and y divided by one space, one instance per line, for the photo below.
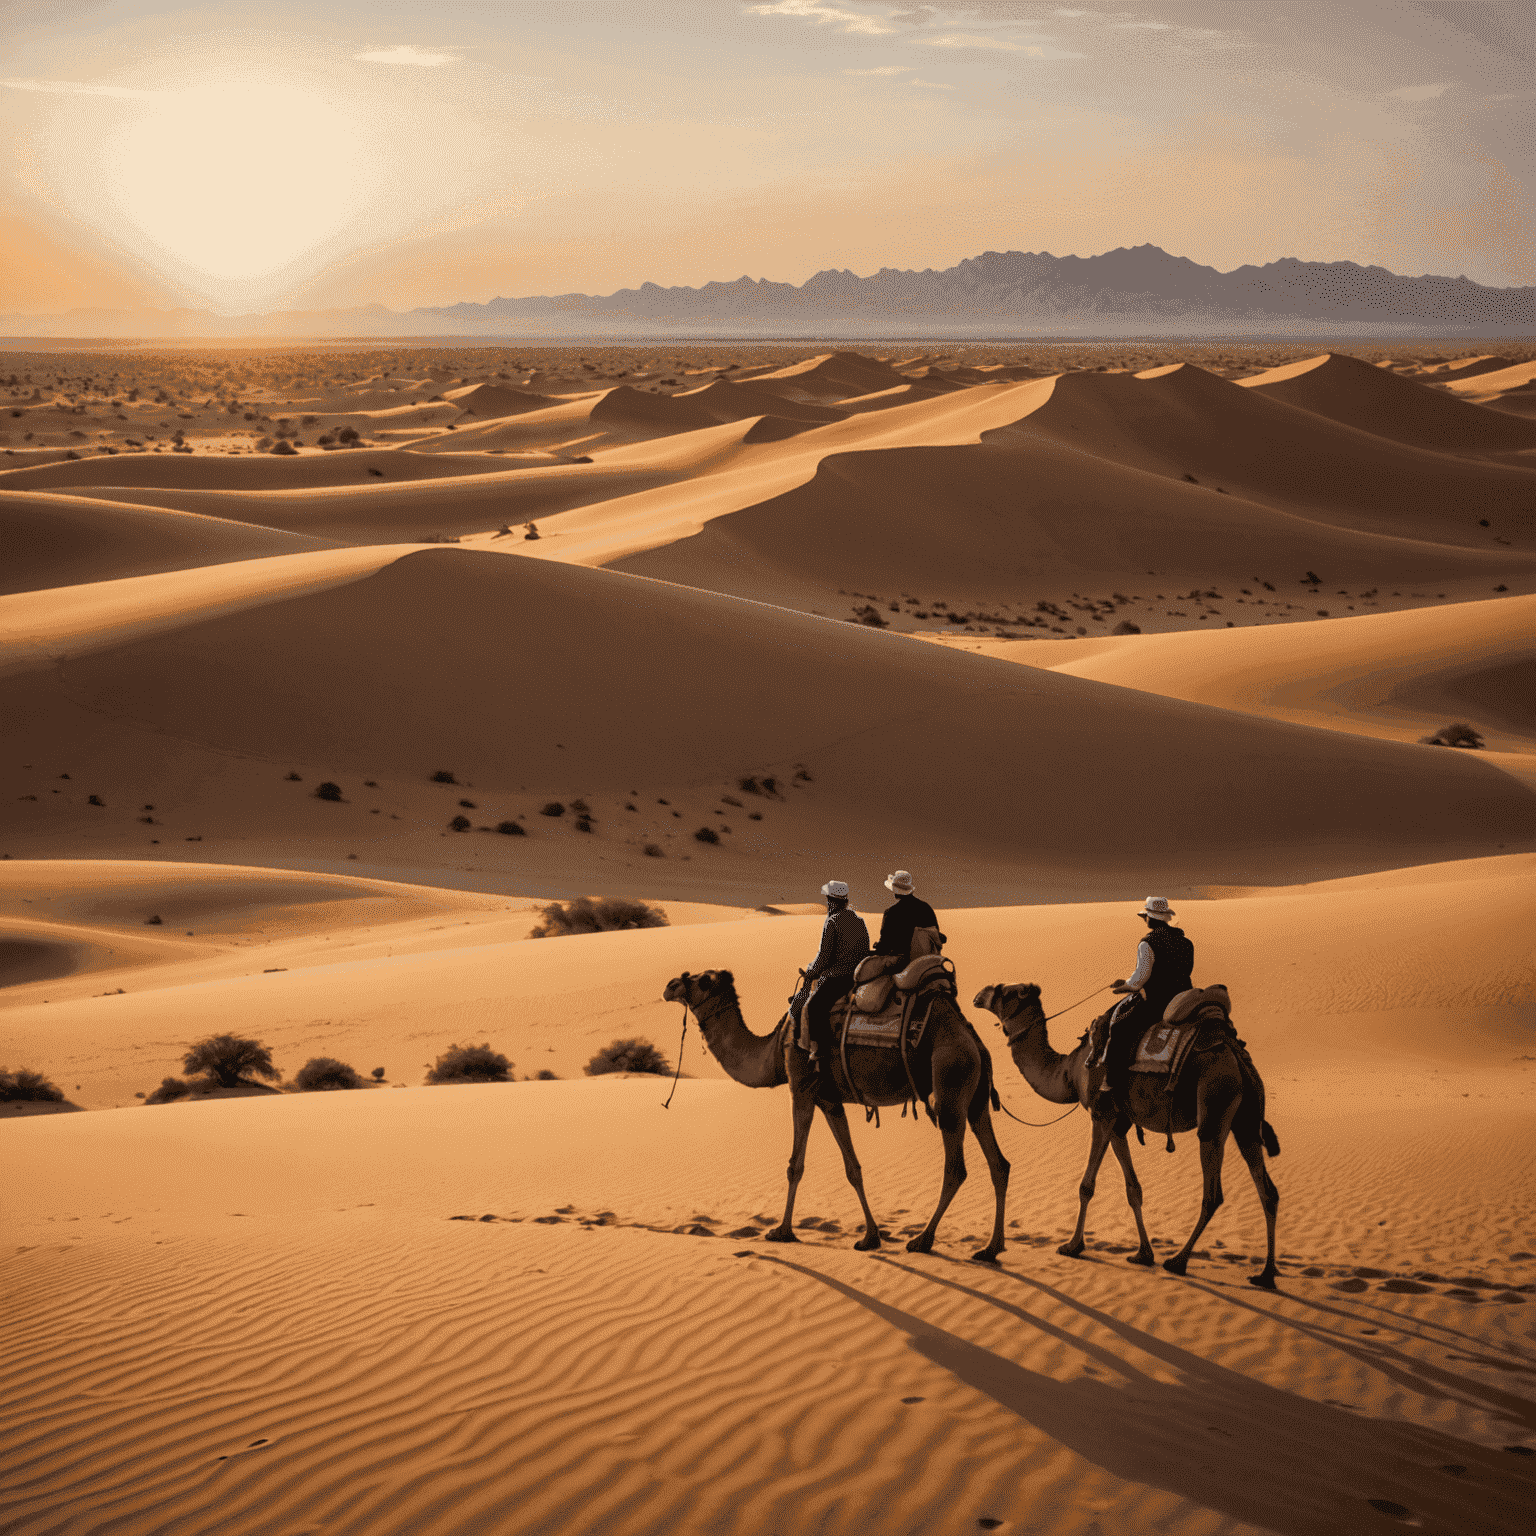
321 1074
328 791
230 1061
170 1089
460 823
470 1064
378 1074
27 1087
636 1055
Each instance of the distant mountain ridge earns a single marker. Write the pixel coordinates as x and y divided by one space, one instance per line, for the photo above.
1141 290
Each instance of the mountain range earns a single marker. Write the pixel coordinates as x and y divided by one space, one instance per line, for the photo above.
1140 290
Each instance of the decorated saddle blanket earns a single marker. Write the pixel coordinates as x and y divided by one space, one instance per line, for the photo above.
901 1008
1165 1047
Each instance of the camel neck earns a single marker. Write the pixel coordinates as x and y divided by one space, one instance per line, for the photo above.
755 1060
1046 1071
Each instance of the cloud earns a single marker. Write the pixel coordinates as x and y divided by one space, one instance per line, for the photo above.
406 53
77 88
955 40
932 85
1143 26
884 69
822 15
1419 92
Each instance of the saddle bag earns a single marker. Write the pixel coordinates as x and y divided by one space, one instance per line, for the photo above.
1196 1000
923 971
873 983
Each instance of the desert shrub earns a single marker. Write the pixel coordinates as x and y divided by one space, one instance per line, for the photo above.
378 1074
605 915
511 829
1454 735
443 776
460 823
170 1089
653 851
554 808
347 435
328 791
1125 627
321 1074
27 1087
230 1060
283 446
469 805
707 835
293 778
583 823
544 1075
637 1055
869 614
470 1064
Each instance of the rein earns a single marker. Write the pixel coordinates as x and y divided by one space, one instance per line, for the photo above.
681 1042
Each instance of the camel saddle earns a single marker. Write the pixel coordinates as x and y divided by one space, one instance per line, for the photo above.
900 1001
1165 1047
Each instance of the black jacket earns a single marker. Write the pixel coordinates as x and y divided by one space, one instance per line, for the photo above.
1173 961
899 923
844 942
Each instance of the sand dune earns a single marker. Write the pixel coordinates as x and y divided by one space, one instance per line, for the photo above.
1394 676
1346 390
832 375
1516 377
319 684
543 1342
248 472
728 401
497 400
58 541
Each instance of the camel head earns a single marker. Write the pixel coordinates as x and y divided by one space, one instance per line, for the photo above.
698 991
1017 1005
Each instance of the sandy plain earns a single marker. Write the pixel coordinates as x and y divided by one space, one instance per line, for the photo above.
841 612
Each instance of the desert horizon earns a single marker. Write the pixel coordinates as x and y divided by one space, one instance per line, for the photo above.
521 842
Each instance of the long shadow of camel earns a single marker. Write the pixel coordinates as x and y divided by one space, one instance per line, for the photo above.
1219 1439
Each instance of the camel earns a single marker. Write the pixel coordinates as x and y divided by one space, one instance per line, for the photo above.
950 1066
1213 1098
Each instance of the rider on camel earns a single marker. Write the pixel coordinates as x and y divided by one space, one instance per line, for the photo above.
1165 960
844 942
903 917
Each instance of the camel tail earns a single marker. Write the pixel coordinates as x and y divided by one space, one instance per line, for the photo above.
1271 1141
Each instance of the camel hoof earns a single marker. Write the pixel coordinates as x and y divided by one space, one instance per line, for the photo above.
867 1244
1067 1251
1175 1266
984 1256
1145 1258
1265 1281
780 1235
922 1243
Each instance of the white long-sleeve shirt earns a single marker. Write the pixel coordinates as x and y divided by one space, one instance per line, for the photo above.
1143 972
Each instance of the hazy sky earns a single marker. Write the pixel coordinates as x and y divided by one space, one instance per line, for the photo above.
339 152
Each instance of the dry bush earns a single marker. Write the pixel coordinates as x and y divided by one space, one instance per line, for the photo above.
636 1055
605 915
511 829
24 1086
470 1064
460 823
1456 734
328 791
322 1074
707 835
230 1061
170 1089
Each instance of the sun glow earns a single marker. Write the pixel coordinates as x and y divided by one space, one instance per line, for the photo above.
239 180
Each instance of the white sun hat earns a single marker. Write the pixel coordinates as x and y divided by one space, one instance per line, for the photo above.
1157 906
837 888
899 883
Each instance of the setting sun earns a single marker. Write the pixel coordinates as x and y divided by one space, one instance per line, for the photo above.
239 179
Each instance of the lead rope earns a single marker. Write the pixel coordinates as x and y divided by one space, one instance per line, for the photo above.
1040 1125
681 1042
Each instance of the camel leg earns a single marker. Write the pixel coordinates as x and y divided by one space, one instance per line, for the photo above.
997 1165
1269 1198
805 1112
952 1126
837 1119
1212 1150
1143 1254
1101 1135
